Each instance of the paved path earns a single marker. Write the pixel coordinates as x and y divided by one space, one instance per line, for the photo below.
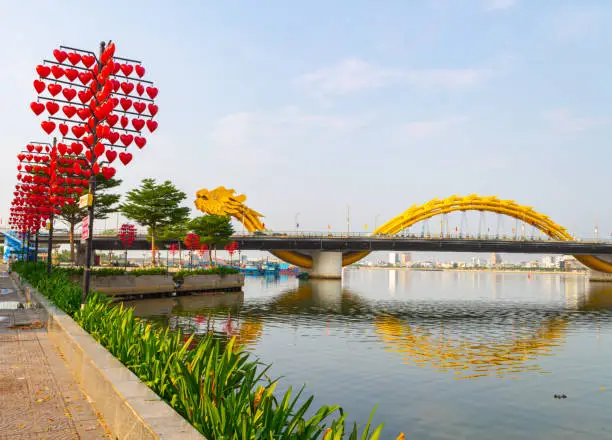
39 398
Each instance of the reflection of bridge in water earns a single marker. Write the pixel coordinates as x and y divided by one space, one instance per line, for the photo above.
469 338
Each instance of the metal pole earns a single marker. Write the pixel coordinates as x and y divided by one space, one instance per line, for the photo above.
348 220
50 243
36 248
92 191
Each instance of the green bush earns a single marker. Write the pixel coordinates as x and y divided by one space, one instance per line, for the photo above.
149 271
217 270
222 392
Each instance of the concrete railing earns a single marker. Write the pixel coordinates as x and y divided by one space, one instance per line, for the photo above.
130 409
117 285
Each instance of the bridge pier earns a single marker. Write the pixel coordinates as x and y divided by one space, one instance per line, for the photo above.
326 265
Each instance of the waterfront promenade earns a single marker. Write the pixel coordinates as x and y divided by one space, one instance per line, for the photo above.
39 397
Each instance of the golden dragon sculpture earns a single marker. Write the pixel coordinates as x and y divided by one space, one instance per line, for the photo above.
223 201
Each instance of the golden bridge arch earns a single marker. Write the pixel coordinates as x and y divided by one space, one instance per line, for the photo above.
223 201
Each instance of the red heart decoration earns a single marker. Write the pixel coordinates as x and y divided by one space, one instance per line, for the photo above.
78 131
57 72
96 168
84 113
113 137
62 148
111 155
39 86
125 103
38 148
37 108
71 74
91 123
85 77
78 190
140 107
108 172
108 52
152 92
116 84
48 126
140 71
84 95
88 140
127 69
112 119
52 107
63 128
76 147
99 149
125 158
74 58
60 55
30 147
69 110
126 139
127 87
140 89
69 94
152 125
140 141
100 129
138 124
54 89
124 121
153 109
88 60
43 71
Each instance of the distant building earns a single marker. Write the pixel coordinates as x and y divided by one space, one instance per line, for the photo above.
496 259
406 259
392 258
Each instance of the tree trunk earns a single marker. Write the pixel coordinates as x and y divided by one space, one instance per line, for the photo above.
71 243
152 247
210 260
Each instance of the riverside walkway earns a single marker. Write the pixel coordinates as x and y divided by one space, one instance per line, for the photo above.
39 397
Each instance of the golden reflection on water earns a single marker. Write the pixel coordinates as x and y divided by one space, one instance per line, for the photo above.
466 356
444 343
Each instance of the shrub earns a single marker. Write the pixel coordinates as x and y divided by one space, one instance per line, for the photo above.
217 270
223 393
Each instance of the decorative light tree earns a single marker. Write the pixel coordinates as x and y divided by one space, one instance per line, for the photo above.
231 248
192 241
107 105
127 235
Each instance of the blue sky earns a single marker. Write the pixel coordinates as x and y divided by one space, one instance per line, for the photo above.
307 107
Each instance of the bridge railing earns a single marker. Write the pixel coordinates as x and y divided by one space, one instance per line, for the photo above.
420 236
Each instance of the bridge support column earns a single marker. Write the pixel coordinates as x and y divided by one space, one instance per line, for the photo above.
326 265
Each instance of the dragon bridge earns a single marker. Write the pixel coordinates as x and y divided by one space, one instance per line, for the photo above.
223 201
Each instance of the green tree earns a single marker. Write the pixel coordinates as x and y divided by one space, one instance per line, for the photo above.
175 232
214 230
155 206
104 204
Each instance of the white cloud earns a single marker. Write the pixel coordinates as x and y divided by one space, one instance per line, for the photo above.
354 75
259 137
494 5
563 121
432 127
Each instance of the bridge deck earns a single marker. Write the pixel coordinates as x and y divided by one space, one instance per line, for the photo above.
374 243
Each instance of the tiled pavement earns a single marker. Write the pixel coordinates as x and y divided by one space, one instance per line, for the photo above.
39 398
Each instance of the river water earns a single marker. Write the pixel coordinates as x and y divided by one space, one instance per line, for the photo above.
444 355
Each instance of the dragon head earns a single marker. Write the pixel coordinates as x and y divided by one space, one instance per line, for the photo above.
224 201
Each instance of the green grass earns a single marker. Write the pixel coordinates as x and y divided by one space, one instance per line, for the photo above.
219 389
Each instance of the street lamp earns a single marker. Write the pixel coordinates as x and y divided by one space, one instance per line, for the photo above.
297 223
